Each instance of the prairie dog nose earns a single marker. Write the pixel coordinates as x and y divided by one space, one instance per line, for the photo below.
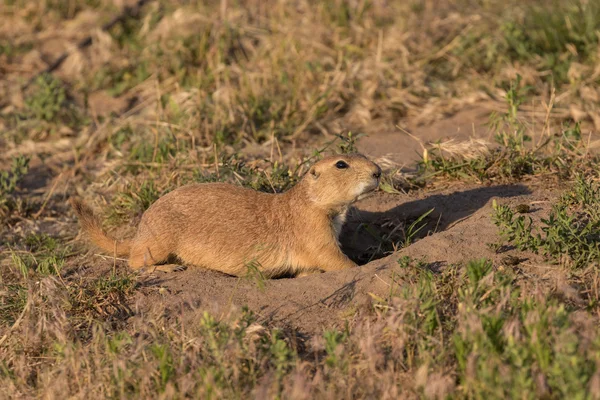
377 174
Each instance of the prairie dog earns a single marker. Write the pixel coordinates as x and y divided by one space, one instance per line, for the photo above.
230 229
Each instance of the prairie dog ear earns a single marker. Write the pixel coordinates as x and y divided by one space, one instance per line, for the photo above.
313 172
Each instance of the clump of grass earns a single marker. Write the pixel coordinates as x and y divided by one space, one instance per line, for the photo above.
13 297
44 255
47 110
131 203
548 37
106 298
48 100
509 344
554 34
117 82
514 157
11 50
9 181
567 236
348 143
144 150
462 331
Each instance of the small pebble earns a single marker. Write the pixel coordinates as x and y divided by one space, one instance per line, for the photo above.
510 261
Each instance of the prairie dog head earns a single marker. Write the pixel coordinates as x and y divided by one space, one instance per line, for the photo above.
338 181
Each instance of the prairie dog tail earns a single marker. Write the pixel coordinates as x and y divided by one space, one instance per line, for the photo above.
93 227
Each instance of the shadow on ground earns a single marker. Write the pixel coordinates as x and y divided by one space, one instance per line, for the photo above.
371 235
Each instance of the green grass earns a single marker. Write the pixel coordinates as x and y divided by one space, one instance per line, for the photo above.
274 78
548 36
467 332
568 236
48 99
10 50
510 344
14 298
120 81
514 155
9 182
47 111
132 202
43 255
553 35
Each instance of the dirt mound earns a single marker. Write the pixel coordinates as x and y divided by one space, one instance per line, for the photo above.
459 229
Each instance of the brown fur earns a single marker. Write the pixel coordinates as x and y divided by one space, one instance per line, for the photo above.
93 227
229 228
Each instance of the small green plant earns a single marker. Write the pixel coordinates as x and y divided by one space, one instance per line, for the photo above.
404 261
503 338
281 353
334 342
166 368
48 100
477 270
9 181
348 143
510 132
515 230
569 234
134 202
11 49
124 79
254 273
45 255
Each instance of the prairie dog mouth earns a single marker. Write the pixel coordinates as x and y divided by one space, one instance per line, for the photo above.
367 189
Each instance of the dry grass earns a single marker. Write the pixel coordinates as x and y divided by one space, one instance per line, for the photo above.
468 331
241 92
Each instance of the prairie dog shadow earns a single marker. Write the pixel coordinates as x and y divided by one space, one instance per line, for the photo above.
368 236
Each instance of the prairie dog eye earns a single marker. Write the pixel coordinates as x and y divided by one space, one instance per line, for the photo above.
341 165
